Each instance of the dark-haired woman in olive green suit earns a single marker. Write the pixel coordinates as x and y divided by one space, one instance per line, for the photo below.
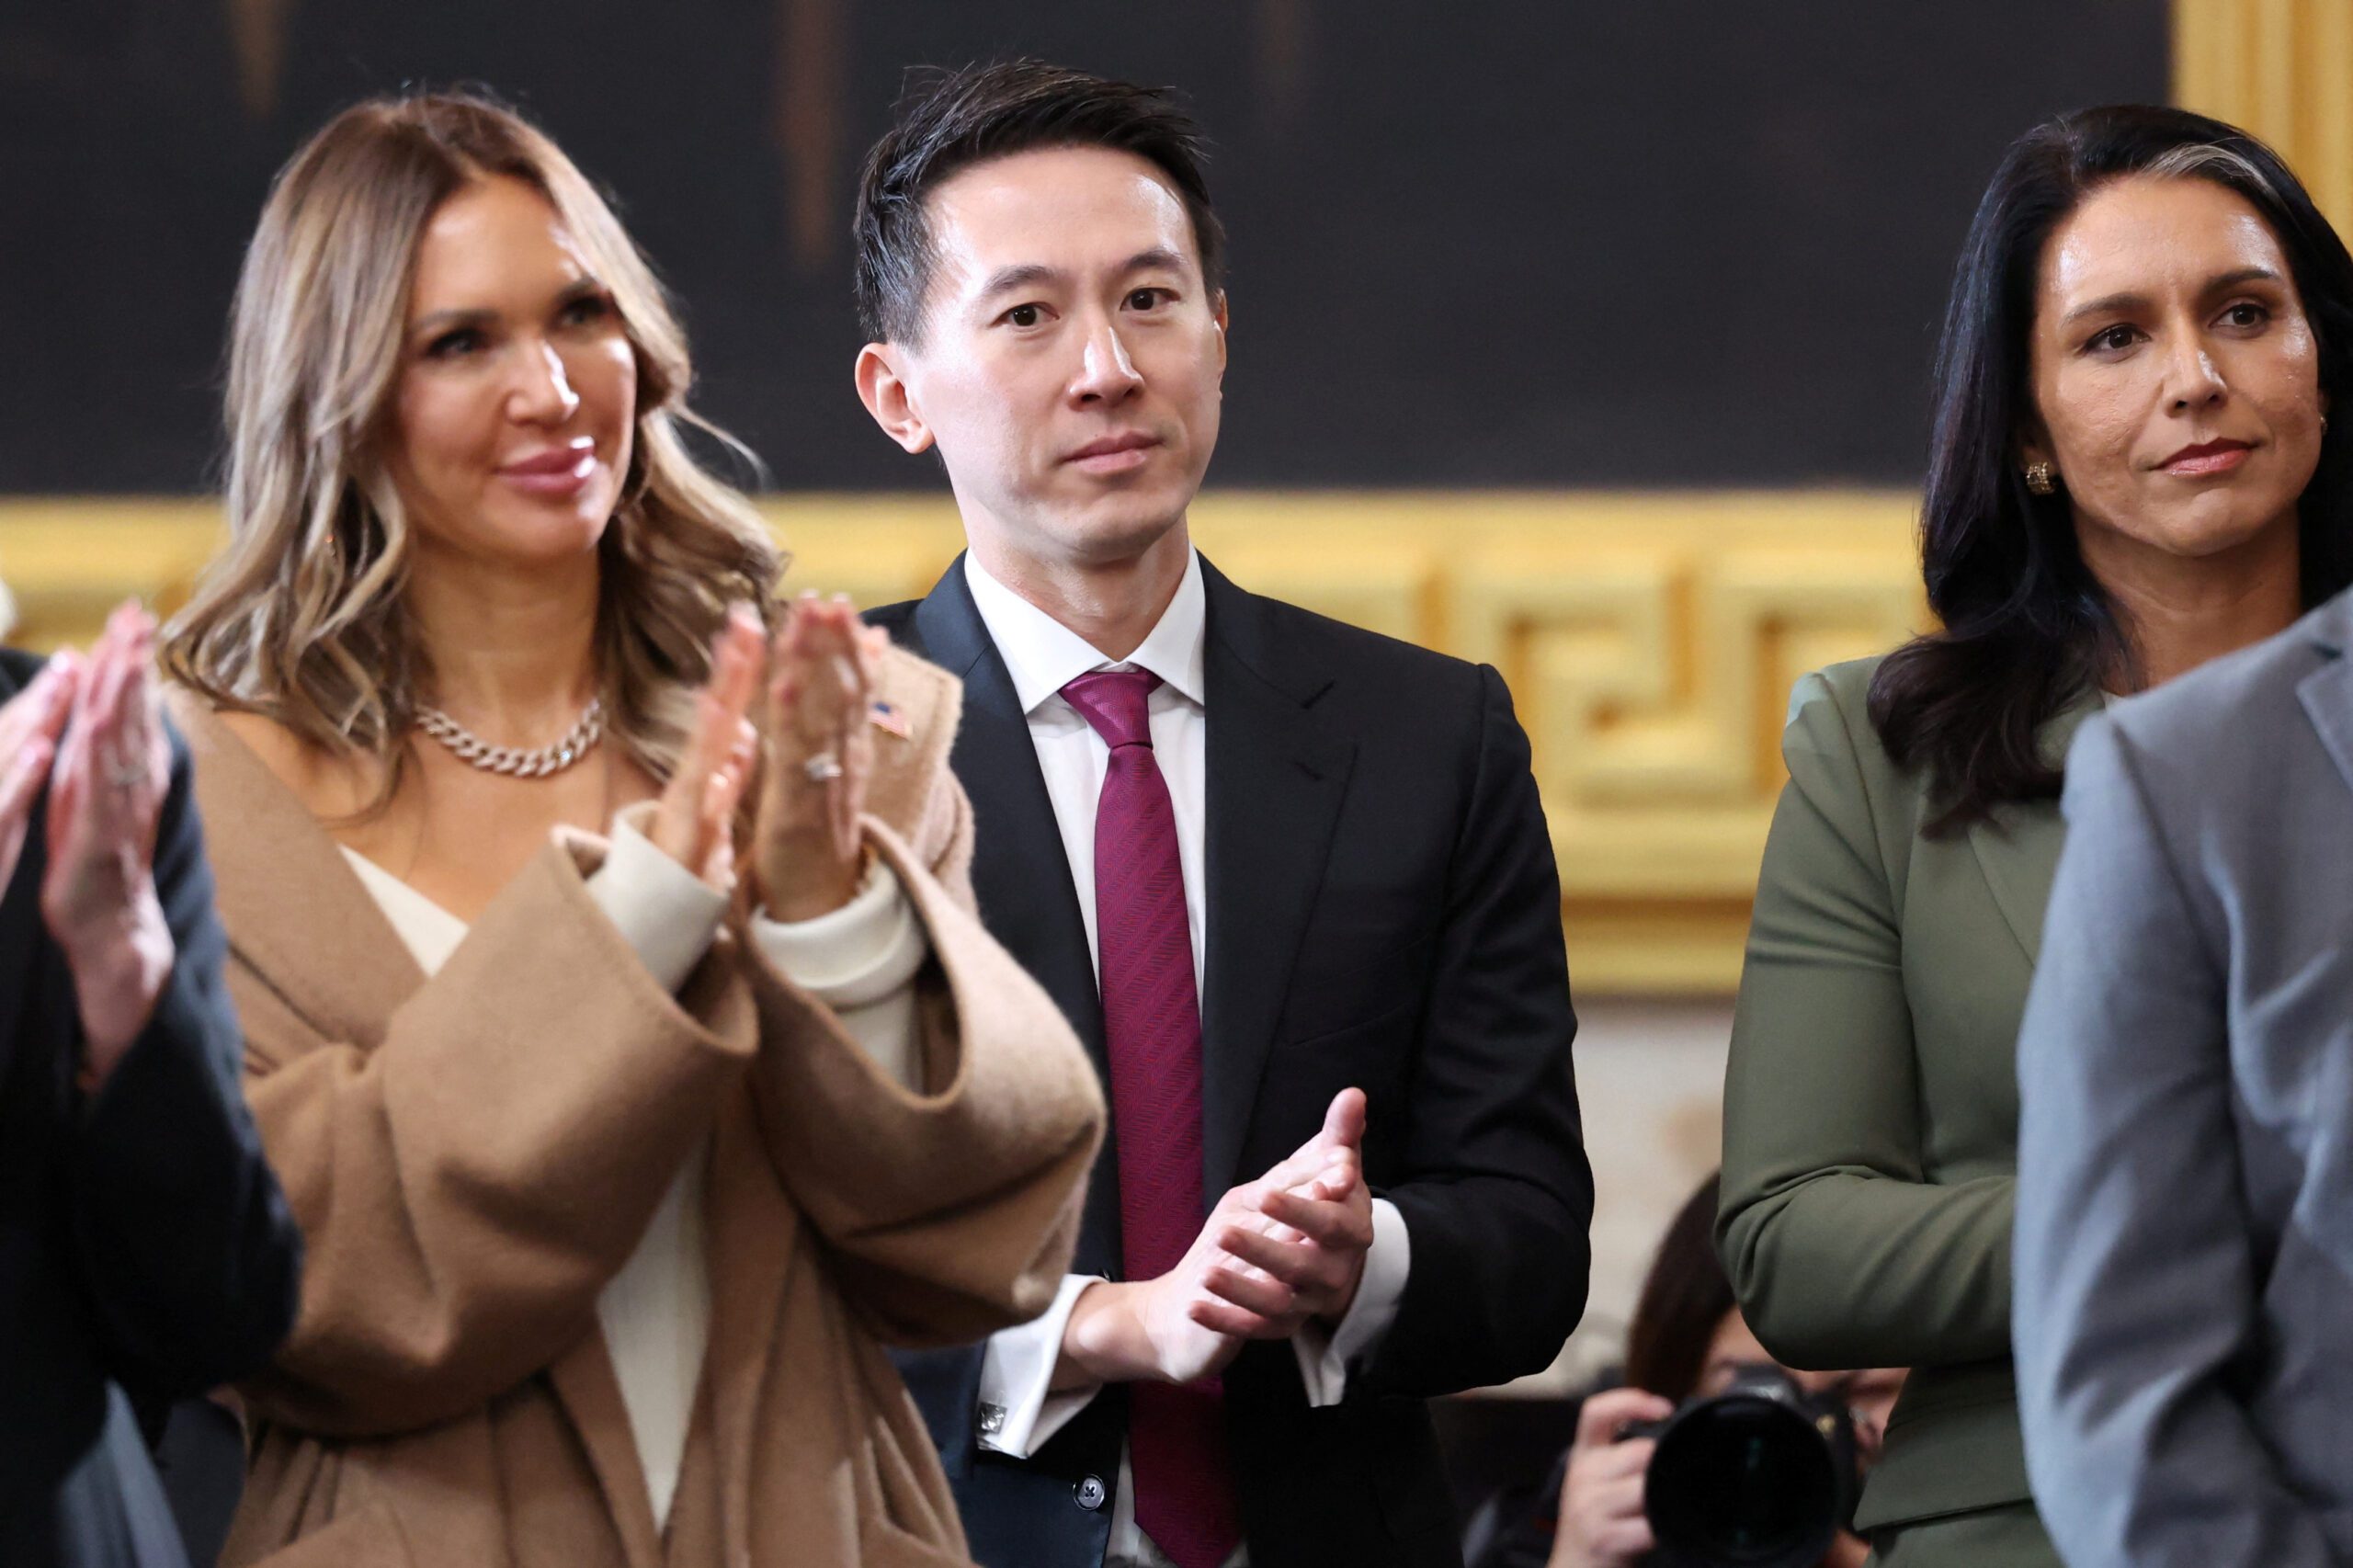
2132 473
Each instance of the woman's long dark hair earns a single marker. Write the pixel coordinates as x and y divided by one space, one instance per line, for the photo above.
2026 626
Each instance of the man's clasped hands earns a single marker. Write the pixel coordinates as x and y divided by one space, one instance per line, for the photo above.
1275 1254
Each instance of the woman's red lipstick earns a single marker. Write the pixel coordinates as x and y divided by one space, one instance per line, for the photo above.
2207 458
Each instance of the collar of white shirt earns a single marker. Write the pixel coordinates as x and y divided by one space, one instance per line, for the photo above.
1043 655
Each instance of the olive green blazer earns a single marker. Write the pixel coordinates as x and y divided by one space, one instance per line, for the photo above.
1872 1104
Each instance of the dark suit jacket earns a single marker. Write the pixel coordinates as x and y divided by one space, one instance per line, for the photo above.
145 1251
1383 911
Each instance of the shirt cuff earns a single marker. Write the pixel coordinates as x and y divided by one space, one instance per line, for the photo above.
861 961
666 911
1019 1415
860 953
1325 1359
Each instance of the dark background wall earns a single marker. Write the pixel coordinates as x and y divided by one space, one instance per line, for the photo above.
1540 244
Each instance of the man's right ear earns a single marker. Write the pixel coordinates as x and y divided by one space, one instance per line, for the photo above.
887 397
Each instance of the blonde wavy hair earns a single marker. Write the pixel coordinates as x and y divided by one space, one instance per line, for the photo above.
300 618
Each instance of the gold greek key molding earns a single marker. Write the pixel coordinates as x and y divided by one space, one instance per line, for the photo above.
2283 70
1650 642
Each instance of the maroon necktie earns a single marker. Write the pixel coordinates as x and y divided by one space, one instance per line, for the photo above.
1152 1029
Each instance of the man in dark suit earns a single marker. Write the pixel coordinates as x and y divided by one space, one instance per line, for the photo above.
1290 881
146 1254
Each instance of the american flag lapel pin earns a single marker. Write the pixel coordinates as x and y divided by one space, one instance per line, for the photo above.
888 719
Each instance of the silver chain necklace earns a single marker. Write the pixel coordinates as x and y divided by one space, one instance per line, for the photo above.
537 764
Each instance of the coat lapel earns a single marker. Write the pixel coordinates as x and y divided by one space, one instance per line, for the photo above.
1276 782
2017 846
293 907
753 1230
589 1390
2327 692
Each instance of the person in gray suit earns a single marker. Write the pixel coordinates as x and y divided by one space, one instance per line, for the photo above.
2184 1259
2184 1240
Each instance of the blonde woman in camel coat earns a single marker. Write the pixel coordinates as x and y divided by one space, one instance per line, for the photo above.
620 1162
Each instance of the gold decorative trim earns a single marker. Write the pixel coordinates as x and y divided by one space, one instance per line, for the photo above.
1650 642
2283 70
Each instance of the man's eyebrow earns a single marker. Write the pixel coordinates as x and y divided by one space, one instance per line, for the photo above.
1029 274
1022 275
1158 258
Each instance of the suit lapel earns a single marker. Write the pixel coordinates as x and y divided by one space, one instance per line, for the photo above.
2017 846
1019 872
1022 875
2327 692
1276 780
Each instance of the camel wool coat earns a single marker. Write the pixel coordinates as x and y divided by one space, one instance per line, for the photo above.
471 1157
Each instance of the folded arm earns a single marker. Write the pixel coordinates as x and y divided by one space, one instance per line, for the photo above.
1840 1250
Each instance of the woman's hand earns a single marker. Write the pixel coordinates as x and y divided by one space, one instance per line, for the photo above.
1601 1523
107 791
30 726
806 848
694 822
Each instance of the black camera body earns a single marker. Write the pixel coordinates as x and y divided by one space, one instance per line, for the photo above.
1761 1475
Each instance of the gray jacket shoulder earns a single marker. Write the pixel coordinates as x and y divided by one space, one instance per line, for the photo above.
2218 735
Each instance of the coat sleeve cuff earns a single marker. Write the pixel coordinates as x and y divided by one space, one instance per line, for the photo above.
861 961
667 913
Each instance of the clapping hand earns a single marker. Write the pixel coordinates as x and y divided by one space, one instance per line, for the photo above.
30 725
107 782
818 732
694 824
1300 1238
1275 1253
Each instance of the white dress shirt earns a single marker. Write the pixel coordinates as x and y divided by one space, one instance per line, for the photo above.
1017 1412
861 961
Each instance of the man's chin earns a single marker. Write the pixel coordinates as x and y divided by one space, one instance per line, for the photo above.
1106 535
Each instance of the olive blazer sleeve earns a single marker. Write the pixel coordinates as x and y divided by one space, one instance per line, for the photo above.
1841 1250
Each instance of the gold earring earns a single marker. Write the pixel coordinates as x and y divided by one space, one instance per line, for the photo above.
2038 479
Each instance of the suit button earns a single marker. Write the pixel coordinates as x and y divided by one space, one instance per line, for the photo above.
1089 1492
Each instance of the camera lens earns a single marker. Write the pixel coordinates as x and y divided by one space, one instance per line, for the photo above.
1743 1479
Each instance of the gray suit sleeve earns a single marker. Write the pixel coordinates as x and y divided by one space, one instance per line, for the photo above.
2136 1285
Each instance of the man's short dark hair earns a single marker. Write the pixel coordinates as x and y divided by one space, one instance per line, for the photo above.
983 112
